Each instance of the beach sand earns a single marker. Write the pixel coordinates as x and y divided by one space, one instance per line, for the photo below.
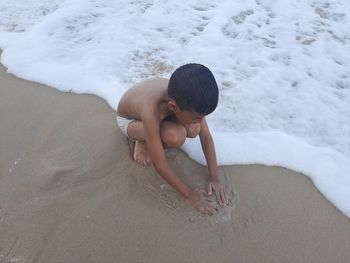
69 192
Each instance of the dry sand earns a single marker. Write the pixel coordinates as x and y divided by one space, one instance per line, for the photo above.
69 192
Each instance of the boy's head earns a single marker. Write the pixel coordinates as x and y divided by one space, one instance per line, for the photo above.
194 89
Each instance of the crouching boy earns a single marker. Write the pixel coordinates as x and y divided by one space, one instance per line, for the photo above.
160 113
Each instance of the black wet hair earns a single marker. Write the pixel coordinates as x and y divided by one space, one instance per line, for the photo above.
193 88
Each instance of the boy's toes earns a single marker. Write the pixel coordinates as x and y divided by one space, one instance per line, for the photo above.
141 161
138 160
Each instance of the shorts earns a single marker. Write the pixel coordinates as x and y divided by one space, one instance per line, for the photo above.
123 124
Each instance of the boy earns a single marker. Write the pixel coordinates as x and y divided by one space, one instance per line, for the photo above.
159 113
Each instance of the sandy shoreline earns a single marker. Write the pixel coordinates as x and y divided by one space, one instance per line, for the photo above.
70 193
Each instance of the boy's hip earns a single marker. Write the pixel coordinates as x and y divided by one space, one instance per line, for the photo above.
123 124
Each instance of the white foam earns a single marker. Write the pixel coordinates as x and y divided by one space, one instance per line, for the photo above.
282 67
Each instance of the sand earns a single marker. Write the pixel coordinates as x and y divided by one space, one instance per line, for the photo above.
69 192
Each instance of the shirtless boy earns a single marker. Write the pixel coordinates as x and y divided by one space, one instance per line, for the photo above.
160 113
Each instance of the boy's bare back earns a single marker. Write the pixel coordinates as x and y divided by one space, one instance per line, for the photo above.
146 96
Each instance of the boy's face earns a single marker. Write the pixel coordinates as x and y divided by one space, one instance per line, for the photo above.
188 117
185 117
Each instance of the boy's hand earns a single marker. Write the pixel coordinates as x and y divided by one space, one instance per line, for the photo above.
199 200
219 190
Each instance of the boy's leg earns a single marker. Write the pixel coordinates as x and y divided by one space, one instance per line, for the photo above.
172 134
192 130
136 132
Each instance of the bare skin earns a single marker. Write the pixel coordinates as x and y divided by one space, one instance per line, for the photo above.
141 155
159 123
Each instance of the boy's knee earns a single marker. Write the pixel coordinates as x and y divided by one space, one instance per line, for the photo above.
175 136
193 130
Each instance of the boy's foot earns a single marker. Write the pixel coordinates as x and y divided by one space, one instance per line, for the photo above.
141 155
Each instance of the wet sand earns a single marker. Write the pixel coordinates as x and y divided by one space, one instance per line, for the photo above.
69 192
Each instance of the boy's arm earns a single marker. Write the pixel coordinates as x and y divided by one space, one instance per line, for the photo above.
208 149
156 152
210 156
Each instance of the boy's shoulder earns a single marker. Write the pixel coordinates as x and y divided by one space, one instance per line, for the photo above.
153 83
142 98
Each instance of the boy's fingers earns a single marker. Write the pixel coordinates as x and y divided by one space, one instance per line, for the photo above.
215 206
218 197
201 209
225 195
222 196
202 192
211 209
210 189
229 198
222 203
208 199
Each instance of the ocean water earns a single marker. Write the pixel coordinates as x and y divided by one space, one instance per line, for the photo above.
283 69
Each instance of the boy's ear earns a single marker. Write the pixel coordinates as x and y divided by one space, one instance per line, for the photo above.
172 105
